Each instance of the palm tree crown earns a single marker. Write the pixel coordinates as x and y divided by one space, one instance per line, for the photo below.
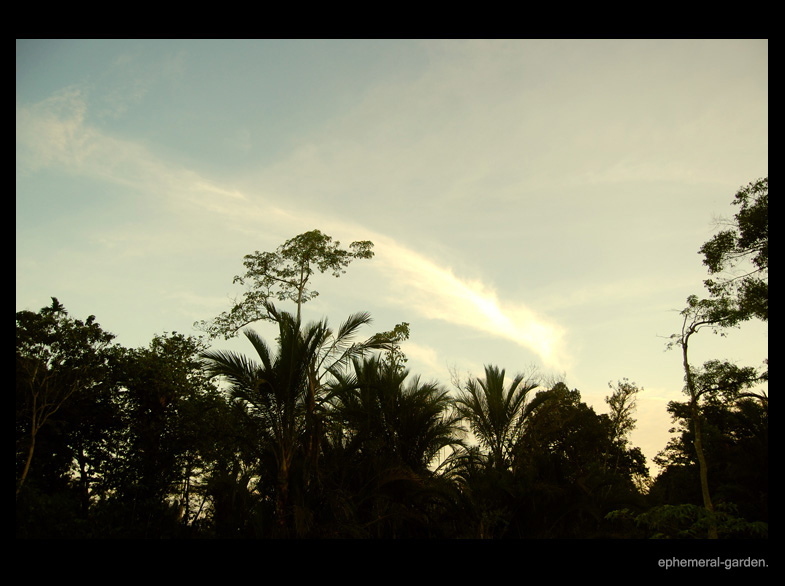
495 413
410 423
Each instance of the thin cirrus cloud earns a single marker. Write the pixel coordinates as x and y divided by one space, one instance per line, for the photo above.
51 132
54 133
437 293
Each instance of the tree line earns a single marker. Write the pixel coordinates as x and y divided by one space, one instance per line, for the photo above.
325 433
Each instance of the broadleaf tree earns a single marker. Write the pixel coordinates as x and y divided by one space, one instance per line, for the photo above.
734 299
56 357
739 254
284 275
701 314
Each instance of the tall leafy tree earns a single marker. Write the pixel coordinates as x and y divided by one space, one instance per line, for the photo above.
713 314
284 275
622 403
698 315
57 358
163 400
741 254
231 490
738 256
574 467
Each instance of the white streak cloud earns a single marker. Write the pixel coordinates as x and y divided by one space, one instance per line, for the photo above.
436 293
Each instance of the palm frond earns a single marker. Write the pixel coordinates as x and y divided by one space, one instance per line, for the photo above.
237 368
339 349
261 347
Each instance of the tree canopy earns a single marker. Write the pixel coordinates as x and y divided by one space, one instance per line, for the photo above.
738 255
284 275
324 433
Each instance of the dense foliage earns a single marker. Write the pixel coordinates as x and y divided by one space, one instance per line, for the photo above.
319 435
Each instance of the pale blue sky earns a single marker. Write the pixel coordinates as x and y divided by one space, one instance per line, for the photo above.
532 202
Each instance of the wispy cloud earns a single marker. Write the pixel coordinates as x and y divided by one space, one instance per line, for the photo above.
54 133
436 293
423 354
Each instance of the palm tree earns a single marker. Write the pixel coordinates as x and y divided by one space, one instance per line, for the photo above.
393 434
380 412
282 393
495 413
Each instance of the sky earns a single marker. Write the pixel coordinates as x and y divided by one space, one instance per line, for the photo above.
534 204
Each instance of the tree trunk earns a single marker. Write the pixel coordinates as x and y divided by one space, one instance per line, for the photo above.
27 465
84 484
698 439
704 476
282 500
